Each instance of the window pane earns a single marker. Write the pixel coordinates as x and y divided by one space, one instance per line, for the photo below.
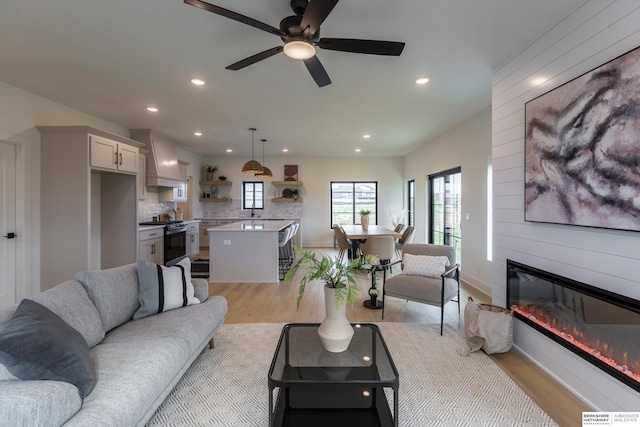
348 198
252 195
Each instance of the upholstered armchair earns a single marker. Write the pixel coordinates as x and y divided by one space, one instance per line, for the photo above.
426 280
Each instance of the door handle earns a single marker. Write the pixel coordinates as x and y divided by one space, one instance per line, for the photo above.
120 159
11 235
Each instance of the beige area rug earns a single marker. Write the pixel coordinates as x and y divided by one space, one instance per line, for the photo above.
227 386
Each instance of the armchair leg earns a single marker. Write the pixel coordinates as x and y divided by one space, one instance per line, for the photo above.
441 318
383 304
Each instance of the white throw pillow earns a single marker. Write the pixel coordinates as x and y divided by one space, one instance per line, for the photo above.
424 265
164 288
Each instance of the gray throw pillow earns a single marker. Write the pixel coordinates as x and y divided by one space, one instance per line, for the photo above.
36 344
164 288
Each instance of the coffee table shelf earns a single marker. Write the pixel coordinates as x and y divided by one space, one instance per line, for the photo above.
319 388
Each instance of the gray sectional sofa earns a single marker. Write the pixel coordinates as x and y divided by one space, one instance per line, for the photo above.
136 363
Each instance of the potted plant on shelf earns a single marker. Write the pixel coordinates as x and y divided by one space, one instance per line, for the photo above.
222 178
364 218
339 289
208 171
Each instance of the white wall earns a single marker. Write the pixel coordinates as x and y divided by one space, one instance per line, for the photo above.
317 173
467 146
20 112
596 33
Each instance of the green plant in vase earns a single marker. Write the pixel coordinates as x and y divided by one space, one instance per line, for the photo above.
208 171
364 218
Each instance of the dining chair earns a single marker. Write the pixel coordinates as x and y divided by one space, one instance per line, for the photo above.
341 240
399 228
383 247
425 281
407 237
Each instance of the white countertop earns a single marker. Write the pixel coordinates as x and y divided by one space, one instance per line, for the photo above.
253 225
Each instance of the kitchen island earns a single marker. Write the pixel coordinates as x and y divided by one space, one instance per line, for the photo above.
245 251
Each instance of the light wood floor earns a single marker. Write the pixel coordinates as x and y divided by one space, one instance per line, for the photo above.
276 303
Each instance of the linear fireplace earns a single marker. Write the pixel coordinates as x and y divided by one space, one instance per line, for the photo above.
600 326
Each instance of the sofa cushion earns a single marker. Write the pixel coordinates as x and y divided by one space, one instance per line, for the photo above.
130 376
36 344
164 288
38 403
194 325
114 292
71 302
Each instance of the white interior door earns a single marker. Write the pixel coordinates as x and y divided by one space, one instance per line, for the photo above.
8 234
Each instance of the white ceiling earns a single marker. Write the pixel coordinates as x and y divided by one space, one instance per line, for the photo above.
112 58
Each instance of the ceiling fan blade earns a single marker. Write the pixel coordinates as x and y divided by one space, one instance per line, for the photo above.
371 47
315 14
255 58
235 16
317 71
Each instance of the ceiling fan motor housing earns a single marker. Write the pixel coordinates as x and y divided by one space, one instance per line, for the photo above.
291 27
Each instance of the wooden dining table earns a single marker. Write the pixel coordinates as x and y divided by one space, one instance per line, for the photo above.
355 232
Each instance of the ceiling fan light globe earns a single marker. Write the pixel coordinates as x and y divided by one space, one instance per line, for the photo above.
299 50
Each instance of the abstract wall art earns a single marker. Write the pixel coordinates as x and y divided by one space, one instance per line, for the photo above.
582 149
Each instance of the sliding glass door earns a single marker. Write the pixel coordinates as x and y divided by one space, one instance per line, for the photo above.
444 209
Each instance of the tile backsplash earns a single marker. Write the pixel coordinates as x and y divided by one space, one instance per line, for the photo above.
150 206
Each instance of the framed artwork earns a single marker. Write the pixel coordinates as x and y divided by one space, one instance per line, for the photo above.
291 172
582 149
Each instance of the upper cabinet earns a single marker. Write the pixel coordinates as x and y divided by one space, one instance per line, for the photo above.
163 169
109 155
179 193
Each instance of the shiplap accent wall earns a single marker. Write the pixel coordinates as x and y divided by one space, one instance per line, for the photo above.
594 34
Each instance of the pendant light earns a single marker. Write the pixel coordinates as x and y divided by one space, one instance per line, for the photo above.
252 166
266 172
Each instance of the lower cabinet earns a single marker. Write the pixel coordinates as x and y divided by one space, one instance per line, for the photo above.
193 239
152 245
204 235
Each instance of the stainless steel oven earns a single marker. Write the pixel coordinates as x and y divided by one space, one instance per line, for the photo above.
175 239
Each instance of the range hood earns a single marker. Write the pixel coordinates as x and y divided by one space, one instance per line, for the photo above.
163 169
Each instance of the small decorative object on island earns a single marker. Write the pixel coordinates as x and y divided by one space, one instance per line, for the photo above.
364 218
339 289
208 172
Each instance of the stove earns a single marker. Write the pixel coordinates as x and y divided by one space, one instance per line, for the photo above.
170 225
175 240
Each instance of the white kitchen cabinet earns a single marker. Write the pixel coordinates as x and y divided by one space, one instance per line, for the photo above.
178 193
204 235
113 156
141 177
91 211
151 246
193 239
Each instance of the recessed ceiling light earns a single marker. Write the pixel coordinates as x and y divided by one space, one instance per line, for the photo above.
422 81
366 136
197 82
357 150
537 81
197 133
285 150
152 109
229 150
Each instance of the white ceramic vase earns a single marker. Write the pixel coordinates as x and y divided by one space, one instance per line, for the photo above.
335 331
364 220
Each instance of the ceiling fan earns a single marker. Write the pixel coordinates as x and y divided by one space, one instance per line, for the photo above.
301 33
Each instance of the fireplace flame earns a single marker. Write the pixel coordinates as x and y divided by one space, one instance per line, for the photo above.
600 350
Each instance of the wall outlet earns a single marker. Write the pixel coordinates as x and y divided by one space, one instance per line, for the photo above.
226 242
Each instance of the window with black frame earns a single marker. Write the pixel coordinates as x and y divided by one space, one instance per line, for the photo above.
253 195
348 198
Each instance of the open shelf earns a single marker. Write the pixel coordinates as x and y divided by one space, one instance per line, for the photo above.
286 200
215 182
287 183
215 199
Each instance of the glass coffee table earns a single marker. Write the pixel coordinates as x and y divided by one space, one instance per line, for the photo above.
319 388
